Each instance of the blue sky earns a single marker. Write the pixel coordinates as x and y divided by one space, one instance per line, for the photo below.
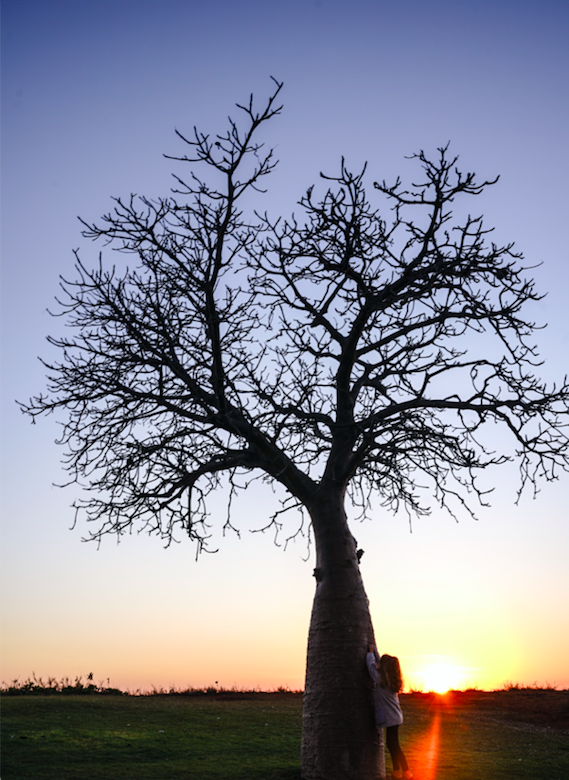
92 92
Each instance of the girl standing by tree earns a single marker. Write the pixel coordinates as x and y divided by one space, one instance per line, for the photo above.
386 674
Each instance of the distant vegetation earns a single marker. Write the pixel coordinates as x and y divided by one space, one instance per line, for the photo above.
37 686
510 686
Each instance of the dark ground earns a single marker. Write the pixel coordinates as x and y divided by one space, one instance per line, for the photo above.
462 735
547 708
534 706
544 708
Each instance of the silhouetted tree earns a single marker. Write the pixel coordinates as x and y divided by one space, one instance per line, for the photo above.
336 353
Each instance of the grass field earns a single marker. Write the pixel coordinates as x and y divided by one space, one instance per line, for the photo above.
257 737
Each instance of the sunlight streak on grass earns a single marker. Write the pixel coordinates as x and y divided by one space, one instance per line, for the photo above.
426 751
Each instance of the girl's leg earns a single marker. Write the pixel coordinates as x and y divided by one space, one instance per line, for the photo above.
397 755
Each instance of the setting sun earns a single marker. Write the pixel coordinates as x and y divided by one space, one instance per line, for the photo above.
442 677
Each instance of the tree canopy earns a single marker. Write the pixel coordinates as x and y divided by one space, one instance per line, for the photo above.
362 345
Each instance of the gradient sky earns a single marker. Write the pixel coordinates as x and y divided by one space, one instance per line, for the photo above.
92 92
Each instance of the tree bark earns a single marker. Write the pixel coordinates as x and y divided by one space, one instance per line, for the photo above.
339 738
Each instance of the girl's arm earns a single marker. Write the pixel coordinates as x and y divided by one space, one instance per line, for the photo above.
371 665
373 649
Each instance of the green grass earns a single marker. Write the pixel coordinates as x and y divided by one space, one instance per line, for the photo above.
475 744
221 738
163 738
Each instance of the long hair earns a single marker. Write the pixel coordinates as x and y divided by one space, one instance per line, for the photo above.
390 673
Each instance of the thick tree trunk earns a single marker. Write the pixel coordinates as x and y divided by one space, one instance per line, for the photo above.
339 738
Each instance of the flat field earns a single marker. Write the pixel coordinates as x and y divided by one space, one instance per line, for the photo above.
459 736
